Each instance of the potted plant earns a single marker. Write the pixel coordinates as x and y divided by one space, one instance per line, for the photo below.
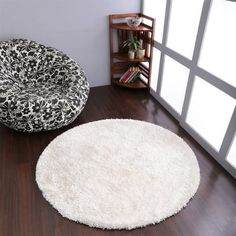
132 43
140 52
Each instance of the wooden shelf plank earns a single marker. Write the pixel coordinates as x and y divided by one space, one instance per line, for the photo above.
124 56
137 84
124 26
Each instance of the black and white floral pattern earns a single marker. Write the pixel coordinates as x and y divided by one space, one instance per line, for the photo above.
41 88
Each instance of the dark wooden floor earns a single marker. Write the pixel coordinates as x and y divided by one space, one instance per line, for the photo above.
23 210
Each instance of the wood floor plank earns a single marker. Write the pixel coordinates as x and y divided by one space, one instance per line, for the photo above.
24 211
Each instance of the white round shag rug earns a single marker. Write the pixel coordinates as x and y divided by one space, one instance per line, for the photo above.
118 174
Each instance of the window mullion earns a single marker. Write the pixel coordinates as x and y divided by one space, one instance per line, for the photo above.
196 53
164 40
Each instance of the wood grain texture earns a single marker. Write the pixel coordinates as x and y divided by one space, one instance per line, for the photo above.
121 32
24 211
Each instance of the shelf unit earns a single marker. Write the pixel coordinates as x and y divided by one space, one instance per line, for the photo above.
119 62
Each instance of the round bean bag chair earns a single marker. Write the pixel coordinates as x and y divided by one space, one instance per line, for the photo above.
41 88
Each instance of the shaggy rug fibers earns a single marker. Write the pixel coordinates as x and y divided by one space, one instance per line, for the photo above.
118 174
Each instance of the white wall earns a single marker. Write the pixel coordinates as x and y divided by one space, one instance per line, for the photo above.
77 27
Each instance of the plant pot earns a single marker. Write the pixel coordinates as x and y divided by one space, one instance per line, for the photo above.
131 55
140 53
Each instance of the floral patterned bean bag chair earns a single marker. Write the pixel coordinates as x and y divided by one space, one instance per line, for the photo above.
41 88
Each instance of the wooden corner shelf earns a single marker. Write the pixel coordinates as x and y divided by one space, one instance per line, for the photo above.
119 31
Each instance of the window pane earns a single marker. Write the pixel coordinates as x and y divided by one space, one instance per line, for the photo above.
156 9
218 54
209 112
231 158
184 21
174 82
155 68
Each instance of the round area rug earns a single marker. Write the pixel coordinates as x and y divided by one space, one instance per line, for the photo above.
118 174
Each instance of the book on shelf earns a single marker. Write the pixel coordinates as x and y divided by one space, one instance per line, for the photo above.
130 75
125 76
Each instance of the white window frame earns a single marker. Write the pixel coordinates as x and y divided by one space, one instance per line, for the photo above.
195 70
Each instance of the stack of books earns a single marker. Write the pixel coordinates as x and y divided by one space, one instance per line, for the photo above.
130 75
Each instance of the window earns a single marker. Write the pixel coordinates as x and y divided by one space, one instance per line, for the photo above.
155 69
156 9
184 21
218 54
197 72
209 112
174 81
